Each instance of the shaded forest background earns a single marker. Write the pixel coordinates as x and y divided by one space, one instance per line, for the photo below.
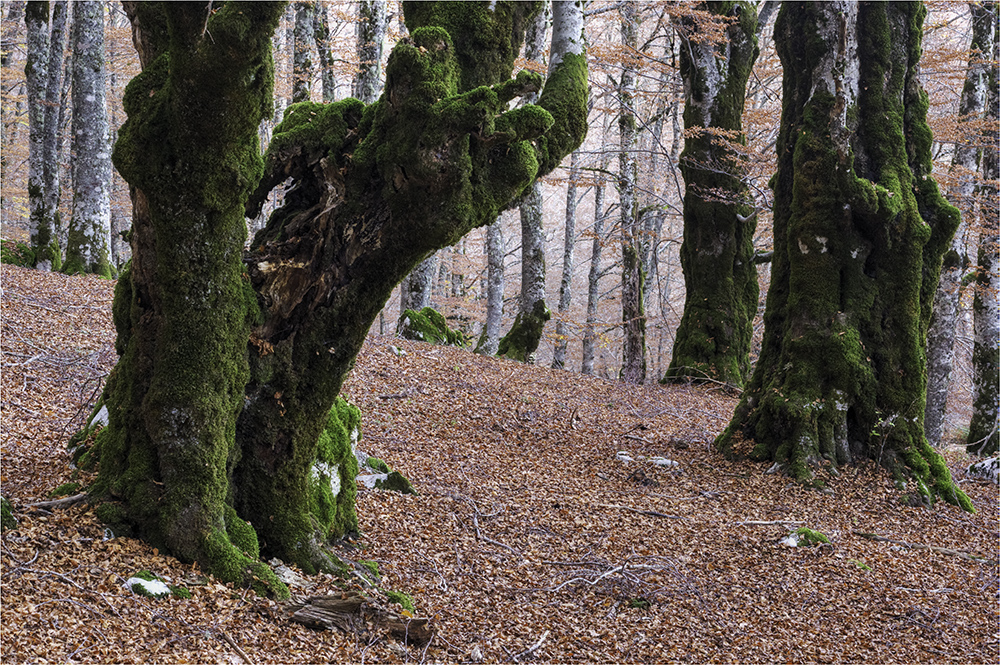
460 280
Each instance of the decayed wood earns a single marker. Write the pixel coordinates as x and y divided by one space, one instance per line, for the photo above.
59 503
351 614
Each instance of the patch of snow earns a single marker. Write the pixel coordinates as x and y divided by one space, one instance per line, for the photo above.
154 588
804 248
398 351
623 456
663 461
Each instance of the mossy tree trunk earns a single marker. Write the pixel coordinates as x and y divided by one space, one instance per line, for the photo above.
984 438
720 277
89 232
190 153
525 334
859 231
44 235
50 143
633 281
377 190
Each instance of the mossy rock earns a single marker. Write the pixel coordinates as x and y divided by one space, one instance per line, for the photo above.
809 537
429 325
7 519
395 482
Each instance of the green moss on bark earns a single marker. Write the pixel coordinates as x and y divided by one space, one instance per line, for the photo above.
525 334
857 232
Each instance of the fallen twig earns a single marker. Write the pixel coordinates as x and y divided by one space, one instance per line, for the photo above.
59 503
651 513
236 648
533 648
919 546
767 523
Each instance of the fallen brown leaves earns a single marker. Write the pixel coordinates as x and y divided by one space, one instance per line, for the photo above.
529 540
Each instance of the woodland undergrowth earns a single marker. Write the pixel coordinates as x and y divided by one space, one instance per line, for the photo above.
531 537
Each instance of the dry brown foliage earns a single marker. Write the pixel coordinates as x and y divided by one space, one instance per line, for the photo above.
530 539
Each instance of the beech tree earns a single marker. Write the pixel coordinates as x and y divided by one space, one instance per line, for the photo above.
859 231
49 214
965 161
633 280
44 235
984 437
566 283
226 438
525 334
720 277
304 34
87 245
372 27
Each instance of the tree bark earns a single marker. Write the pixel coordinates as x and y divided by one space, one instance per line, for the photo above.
633 309
984 438
594 280
90 225
301 60
328 76
489 341
189 150
44 237
525 334
566 283
941 335
373 25
859 231
50 143
720 277
376 192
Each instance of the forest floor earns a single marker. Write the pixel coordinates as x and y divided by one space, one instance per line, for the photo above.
530 540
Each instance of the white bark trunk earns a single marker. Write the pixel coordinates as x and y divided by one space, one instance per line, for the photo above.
373 25
941 334
565 286
90 225
302 62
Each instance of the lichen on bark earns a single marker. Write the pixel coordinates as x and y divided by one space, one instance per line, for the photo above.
859 230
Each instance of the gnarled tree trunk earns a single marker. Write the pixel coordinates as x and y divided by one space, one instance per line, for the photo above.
225 431
859 231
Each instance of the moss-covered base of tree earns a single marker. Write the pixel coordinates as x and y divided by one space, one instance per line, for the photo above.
803 437
525 334
75 265
429 325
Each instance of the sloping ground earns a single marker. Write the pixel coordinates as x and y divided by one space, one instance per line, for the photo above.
530 538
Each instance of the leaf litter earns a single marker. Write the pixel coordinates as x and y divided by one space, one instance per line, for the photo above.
532 538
